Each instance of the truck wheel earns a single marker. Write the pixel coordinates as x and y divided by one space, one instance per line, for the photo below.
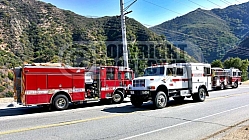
222 86
179 99
200 96
117 97
235 85
160 100
60 102
136 101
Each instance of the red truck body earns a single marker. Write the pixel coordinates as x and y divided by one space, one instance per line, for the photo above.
43 85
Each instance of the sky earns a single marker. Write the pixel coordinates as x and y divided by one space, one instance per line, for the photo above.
147 12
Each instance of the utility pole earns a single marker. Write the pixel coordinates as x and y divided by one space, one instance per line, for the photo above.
125 50
124 40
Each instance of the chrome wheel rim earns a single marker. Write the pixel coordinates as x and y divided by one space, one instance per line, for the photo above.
61 103
161 100
116 97
202 94
235 85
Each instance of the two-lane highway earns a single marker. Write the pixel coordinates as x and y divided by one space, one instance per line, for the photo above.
186 120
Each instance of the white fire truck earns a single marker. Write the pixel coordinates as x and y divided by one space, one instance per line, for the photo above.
178 80
234 77
224 78
220 78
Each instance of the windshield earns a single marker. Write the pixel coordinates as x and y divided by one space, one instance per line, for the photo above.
128 75
154 71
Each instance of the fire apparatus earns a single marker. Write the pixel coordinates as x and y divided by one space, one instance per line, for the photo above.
177 80
234 77
57 86
220 78
224 78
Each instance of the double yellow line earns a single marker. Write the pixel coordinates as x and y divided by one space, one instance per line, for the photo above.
58 124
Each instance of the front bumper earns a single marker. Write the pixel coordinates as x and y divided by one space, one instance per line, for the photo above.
139 92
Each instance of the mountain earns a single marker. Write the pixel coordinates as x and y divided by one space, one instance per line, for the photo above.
241 51
214 32
34 31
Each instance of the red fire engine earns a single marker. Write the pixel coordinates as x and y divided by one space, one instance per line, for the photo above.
223 78
57 86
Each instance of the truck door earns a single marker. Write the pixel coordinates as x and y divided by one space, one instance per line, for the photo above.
78 87
127 78
208 77
180 78
36 89
111 79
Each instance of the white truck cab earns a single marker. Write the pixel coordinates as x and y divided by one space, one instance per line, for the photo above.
177 80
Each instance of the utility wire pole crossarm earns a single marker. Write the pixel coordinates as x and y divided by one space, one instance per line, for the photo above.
125 50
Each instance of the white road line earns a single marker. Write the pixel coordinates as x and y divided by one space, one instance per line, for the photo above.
164 128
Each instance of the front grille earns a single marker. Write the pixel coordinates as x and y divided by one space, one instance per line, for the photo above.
139 83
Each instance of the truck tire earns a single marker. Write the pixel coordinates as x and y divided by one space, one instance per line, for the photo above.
160 100
178 99
117 97
222 86
200 96
235 85
136 101
60 102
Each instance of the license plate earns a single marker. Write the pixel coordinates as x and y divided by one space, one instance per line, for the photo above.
132 92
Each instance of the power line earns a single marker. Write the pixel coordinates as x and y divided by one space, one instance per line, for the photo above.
233 51
162 7
163 31
197 4
180 32
128 1
214 3
230 22
227 2
201 11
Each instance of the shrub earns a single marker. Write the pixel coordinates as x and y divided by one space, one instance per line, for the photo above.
2 88
10 76
9 94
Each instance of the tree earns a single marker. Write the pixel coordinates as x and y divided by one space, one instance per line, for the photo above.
239 64
217 63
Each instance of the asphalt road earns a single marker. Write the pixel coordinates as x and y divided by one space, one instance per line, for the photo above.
186 120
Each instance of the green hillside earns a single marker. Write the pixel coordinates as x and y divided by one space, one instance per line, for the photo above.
214 32
35 31
242 51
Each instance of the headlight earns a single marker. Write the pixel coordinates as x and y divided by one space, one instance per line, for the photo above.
151 87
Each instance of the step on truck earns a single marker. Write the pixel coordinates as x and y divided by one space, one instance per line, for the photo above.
178 80
55 85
